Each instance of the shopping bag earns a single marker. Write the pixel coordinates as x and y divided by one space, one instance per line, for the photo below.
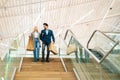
52 48
30 45
15 45
71 49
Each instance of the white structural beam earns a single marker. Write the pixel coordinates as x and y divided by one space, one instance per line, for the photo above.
106 14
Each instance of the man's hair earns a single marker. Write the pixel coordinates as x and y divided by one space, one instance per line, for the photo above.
45 24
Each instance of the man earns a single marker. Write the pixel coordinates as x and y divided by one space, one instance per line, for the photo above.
45 37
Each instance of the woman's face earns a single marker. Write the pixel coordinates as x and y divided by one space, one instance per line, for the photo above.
35 29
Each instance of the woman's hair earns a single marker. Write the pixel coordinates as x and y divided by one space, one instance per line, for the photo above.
35 29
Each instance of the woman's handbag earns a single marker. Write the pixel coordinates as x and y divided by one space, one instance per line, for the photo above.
52 48
30 46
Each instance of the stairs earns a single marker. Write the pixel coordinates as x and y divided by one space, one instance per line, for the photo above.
43 71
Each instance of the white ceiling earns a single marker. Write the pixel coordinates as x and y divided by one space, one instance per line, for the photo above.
18 16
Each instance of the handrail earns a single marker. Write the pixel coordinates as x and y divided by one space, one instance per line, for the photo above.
21 61
13 75
86 48
94 34
112 32
71 36
80 44
109 51
116 43
63 63
76 74
70 40
67 33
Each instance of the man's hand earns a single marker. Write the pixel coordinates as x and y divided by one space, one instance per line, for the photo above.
53 42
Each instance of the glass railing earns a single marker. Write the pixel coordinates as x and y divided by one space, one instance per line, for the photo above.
9 65
114 35
101 45
108 42
11 62
113 58
86 65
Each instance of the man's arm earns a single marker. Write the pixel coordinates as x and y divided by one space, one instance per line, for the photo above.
41 35
53 38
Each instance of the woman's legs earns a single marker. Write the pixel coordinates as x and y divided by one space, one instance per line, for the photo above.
38 50
35 59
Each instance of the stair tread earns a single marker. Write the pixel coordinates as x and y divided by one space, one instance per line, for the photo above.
45 79
40 72
45 74
38 79
54 65
43 71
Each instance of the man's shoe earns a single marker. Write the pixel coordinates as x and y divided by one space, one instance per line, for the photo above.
42 60
47 61
37 59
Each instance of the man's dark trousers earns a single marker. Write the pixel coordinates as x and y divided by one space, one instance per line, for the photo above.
43 51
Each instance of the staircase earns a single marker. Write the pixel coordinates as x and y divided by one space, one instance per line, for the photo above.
43 71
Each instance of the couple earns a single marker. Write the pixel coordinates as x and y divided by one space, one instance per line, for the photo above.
45 36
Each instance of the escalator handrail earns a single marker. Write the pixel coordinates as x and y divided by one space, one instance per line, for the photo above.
99 61
73 35
116 43
68 30
67 33
112 32
100 32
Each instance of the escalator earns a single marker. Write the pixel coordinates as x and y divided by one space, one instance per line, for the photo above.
108 47
94 62
101 45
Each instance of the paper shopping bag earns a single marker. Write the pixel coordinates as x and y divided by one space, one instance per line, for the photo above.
52 48
30 46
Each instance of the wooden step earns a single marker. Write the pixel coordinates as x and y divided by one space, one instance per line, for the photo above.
29 78
54 65
45 79
43 75
43 71
29 60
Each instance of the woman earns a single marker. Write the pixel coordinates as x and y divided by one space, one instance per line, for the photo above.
35 35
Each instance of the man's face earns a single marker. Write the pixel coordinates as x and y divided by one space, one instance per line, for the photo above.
45 27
